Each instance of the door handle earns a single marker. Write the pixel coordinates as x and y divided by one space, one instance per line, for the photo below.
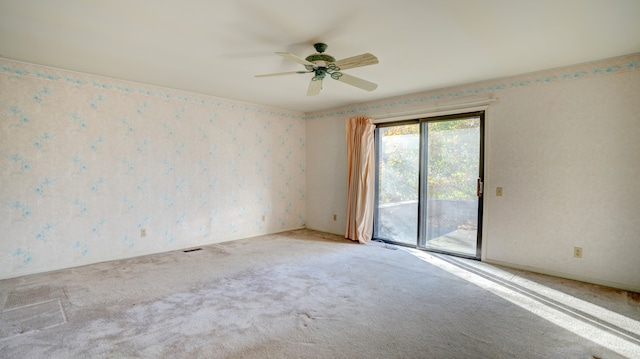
479 187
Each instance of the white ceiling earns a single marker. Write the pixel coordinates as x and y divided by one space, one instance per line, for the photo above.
216 47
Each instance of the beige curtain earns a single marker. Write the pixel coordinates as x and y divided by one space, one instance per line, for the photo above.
360 193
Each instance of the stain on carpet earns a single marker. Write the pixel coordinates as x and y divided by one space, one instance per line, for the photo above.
32 309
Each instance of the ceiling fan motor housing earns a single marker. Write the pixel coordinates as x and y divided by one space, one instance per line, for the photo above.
325 58
320 59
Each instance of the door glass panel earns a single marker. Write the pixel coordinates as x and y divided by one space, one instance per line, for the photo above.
398 173
452 167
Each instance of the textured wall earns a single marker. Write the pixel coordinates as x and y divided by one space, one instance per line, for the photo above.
564 144
86 162
568 158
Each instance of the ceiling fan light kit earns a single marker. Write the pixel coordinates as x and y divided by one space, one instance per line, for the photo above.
321 65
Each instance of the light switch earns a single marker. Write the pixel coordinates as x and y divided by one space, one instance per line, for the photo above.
499 191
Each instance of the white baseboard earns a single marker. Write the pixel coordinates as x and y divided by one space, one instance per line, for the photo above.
325 230
82 263
579 278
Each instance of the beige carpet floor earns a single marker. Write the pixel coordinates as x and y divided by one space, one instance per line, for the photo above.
307 294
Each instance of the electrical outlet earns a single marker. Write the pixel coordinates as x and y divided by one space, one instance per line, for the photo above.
499 191
577 252
335 217
143 232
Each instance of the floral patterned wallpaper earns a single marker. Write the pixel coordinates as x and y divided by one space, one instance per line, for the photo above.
87 163
485 89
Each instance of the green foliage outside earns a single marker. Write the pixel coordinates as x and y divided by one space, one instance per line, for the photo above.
453 161
399 163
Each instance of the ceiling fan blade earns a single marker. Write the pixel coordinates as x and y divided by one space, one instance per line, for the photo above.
284 73
295 58
357 61
314 87
357 82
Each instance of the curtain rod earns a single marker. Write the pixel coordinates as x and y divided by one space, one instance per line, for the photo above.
431 110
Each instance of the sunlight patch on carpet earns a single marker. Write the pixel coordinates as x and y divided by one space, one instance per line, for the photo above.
610 330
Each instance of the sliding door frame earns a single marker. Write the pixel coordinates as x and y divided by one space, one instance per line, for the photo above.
422 188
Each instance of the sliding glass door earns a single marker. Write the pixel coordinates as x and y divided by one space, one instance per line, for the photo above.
398 172
428 188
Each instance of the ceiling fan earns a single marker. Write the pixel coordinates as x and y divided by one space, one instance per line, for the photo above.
321 65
